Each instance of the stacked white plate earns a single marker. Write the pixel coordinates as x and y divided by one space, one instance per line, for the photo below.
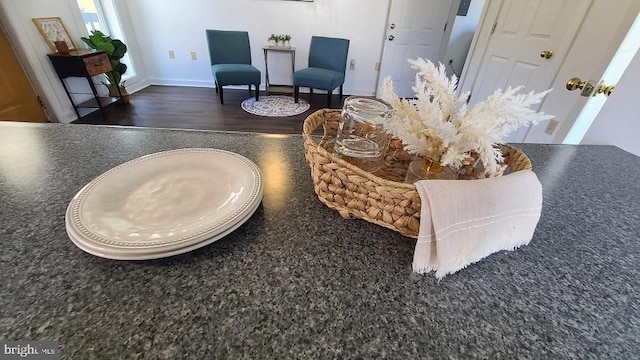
164 204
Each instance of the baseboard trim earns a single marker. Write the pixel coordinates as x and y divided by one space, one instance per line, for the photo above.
209 84
178 82
137 86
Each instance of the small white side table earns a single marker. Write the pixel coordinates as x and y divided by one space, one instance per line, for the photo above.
287 49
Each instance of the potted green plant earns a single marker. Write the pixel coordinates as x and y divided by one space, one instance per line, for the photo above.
272 39
287 39
115 50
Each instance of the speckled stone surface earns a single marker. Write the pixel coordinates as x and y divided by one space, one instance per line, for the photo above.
298 281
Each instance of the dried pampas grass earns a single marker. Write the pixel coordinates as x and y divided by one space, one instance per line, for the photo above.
439 125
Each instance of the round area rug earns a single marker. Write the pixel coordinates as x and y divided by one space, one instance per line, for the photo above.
275 105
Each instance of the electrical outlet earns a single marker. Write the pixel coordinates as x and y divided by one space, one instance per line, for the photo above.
551 127
193 56
377 67
171 54
352 64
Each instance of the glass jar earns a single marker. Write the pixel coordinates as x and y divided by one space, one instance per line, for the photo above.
361 139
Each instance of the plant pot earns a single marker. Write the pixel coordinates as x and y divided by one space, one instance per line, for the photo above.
123 96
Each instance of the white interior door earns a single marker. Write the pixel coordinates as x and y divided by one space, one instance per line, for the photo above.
585 54
597 54
521 33
416 28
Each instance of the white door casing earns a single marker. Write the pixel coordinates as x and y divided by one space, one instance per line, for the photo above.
587 55
614 125
415 28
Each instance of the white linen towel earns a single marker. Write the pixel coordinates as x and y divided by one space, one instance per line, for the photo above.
463 221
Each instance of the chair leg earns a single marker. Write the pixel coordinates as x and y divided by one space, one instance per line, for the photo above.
296 93
221 96
257 92
340 93
249 89
216 87
329 96
310 91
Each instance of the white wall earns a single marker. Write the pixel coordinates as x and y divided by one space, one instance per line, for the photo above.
617 123
163 25
461 36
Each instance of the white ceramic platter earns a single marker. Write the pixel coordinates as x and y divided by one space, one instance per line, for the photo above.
164 202
133 255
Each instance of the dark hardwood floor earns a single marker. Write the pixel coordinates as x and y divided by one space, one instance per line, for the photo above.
199 108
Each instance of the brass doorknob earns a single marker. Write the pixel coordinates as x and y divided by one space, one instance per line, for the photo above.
604 89
575 83
546 54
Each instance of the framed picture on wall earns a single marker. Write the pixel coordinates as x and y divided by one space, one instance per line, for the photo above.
52 29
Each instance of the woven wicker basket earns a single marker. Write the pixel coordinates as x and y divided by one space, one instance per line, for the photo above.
381 198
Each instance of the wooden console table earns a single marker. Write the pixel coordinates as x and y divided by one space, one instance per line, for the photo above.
84 63
287 49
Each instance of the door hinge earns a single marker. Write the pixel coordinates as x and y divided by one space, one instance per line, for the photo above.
494 27
445 26
41 102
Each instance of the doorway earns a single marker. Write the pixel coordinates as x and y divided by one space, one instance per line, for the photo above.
18 100
415 28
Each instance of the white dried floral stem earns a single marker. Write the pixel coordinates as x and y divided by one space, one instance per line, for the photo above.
439 126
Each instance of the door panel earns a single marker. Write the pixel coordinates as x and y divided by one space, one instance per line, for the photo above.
545 20
18 101
419 29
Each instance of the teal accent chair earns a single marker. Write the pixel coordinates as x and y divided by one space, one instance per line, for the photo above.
327 65
230 56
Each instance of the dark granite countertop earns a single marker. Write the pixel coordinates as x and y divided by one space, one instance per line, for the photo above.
298 281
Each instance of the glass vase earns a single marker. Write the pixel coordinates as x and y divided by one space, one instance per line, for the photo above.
426 169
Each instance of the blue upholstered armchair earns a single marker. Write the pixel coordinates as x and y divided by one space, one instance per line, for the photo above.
230 56
327 65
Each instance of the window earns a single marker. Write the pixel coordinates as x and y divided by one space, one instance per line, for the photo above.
101 15
91 16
